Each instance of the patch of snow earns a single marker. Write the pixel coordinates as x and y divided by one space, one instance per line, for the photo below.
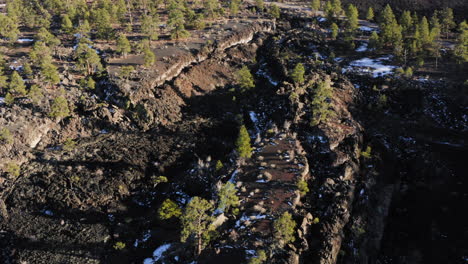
261 181
267 76
250 252
254 119
146 236
23 40
157 254
372 66
233 176
2 100
363 47
317 138
321 19
338 59
48 212
104 131
368 29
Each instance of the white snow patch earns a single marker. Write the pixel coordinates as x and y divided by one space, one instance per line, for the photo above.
23 40
363 47
372 66
48 212
145 238
157 254
263 73
368 29
254 119
233 176
2 100
321 19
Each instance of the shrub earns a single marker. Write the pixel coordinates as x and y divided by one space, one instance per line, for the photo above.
168 210
69 144
5 136
59 108
13 169
260 258
367 153
303 187
119 245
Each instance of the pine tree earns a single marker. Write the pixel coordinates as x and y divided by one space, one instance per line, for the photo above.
447 21
149 57
123 45
243 143
461 46
334 30
275 11
49 73
353 18
374 40
9 99
406 22
370 14
227 197
102 23
59 108
315 5
284 230
9 28
87 60
297 74
16 85
48 38
337 9
67 25
211 8
391 34
176 21
424 33
260 5
321 102
35 94
196 221
150 26
234 7
245 78
169 209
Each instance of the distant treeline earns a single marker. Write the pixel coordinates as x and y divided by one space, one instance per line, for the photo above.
423 7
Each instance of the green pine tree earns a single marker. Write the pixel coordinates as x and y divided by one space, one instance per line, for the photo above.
17 85
59 108
321 102
123 45
284 230
243 143
149 57
370 14
35 94
196 223
334 30
315 5
168 210
67 25
227 197
447 21
297 74
353 18
245 78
